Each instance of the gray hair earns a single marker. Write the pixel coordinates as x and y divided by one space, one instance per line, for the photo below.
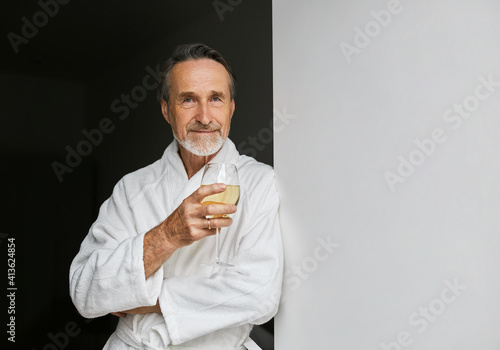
188 52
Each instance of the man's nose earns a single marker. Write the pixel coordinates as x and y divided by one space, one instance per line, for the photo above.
203 113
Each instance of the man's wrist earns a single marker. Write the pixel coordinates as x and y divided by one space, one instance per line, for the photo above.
157 249
165 237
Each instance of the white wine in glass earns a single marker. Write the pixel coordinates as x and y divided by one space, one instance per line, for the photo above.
228 175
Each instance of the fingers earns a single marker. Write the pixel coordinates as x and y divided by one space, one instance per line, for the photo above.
188 223
218 210
207 190
212 209
214 223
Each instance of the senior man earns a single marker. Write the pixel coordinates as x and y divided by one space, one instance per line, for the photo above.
142 258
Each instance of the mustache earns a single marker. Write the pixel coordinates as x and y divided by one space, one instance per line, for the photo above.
197 126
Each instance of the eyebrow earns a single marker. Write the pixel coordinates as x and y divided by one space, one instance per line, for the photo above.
185 94
217 93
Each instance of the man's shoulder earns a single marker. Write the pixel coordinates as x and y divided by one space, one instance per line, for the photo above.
134 182
257 181
253 171
251 164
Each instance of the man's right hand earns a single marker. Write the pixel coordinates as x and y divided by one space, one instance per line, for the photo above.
186 225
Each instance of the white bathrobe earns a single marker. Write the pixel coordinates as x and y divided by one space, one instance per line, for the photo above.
210 308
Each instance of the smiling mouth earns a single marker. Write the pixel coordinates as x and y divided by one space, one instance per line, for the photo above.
204 131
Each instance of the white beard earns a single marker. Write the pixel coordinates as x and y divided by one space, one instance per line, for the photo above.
205 147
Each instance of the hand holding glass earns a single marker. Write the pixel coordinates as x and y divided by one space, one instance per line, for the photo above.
228 175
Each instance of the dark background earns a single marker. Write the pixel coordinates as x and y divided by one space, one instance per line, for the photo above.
79 58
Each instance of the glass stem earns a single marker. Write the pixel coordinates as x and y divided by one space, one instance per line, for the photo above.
217 245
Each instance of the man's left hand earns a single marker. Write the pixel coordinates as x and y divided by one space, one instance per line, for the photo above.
139 310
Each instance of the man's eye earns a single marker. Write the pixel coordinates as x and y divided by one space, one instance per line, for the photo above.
216 99
188 102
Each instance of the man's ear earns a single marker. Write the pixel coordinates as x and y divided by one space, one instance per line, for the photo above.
233 107
164 110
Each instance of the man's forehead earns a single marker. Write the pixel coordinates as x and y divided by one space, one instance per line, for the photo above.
194 72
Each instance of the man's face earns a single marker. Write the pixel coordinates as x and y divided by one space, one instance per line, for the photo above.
200 106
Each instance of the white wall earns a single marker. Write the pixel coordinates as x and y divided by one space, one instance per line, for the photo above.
373 248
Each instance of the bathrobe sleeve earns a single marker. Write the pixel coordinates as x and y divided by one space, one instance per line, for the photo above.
249 293
107 274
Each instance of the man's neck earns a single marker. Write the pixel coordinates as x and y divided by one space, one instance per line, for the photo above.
193 163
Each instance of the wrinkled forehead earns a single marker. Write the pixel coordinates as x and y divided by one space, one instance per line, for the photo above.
199 75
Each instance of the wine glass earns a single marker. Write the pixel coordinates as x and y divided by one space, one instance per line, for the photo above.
228 175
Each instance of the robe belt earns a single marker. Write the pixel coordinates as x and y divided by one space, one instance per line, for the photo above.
135 341
180 347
